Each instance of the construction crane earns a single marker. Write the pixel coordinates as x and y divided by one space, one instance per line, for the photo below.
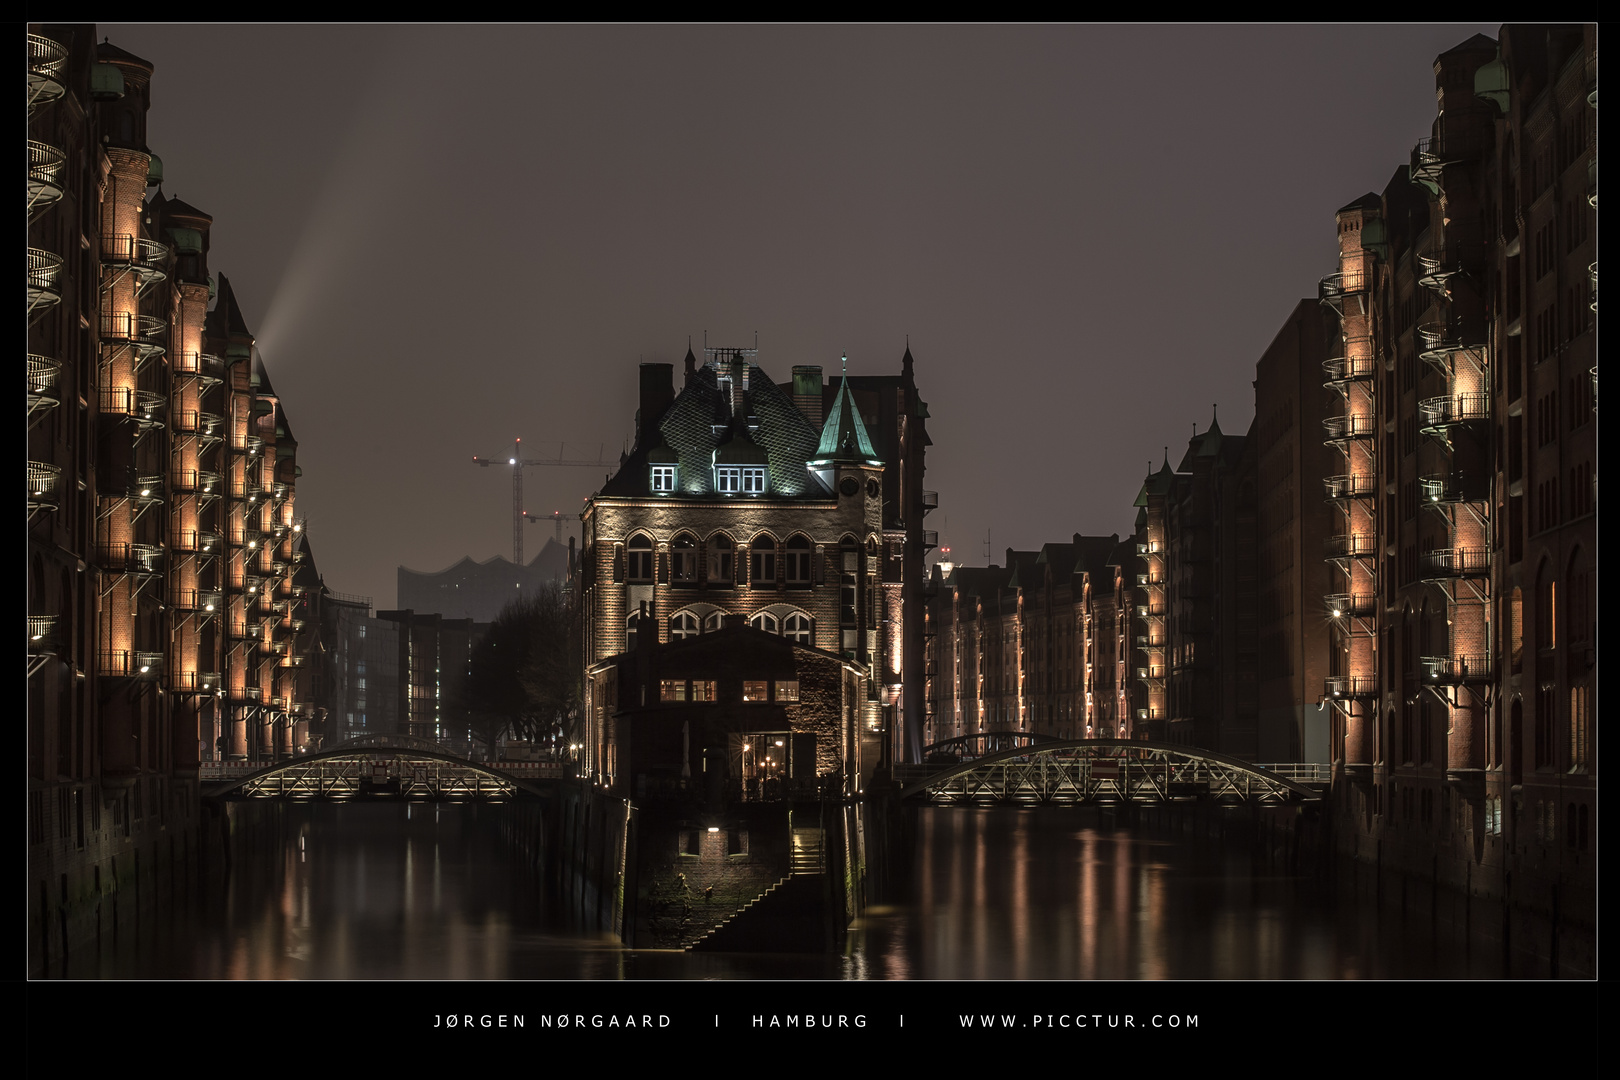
517 461
557 516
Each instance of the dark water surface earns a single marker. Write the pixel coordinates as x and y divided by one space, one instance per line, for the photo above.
382 891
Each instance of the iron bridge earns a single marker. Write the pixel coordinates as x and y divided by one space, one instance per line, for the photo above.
1106 770
397 767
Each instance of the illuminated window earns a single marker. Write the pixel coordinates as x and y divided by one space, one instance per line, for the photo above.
765 621
672 690
728 478
663 478
703 690
787 689
753 479
754 689
682 625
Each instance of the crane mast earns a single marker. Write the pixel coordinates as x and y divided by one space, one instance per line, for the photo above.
517 462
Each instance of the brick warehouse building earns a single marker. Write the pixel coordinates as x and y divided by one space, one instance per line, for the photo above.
1463 675
163 623
796 507
1034 646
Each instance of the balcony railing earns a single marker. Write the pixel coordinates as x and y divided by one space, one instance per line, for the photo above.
47 60
1455 670
130 558
41 633
1340 687
203 600
1335 287
44 279
127 663
930 501
1431 156
1447 488
1353 426
45 166
1351 486
200 682
43 373
1350 605
42 483
1439 264
1350 546
1443 563
147 330
1443 412
1349 368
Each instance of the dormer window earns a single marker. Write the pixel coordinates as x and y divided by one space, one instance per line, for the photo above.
663 478
753 479
727 479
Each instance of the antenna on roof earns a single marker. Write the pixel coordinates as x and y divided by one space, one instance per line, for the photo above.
845 368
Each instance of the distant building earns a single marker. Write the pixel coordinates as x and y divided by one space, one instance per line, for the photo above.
479 590
1196 592
1030 647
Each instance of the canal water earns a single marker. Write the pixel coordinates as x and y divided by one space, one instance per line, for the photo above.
424 892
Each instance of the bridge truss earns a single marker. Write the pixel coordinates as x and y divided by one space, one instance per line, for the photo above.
401 771
1106 770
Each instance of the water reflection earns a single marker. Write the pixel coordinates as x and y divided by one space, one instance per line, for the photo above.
381 891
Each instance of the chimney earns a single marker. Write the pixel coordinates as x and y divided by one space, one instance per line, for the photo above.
807 391
657 392
739 387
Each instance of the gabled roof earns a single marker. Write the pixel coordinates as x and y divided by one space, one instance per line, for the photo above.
843 436
1369 201
235 323
1478 41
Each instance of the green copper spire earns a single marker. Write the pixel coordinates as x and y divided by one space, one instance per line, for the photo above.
843 437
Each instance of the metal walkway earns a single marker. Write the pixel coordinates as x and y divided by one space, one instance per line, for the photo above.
1109 770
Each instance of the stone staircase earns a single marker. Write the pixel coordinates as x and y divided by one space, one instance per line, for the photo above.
787 917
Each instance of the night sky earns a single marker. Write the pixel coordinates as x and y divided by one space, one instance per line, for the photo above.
446 236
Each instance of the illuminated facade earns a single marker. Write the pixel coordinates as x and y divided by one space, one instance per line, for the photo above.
1463 672
1034 646
1195 649
161 527
797 508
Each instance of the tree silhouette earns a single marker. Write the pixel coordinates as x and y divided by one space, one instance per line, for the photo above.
525 674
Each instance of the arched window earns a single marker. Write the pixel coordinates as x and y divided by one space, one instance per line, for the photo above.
762 562
765 621
632 627
682 625
714 620
722 568
684 560
640 550
799 628
798 561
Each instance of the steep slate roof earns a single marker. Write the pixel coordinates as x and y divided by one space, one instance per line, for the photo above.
1369 201
786 436
1093 552
978 580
